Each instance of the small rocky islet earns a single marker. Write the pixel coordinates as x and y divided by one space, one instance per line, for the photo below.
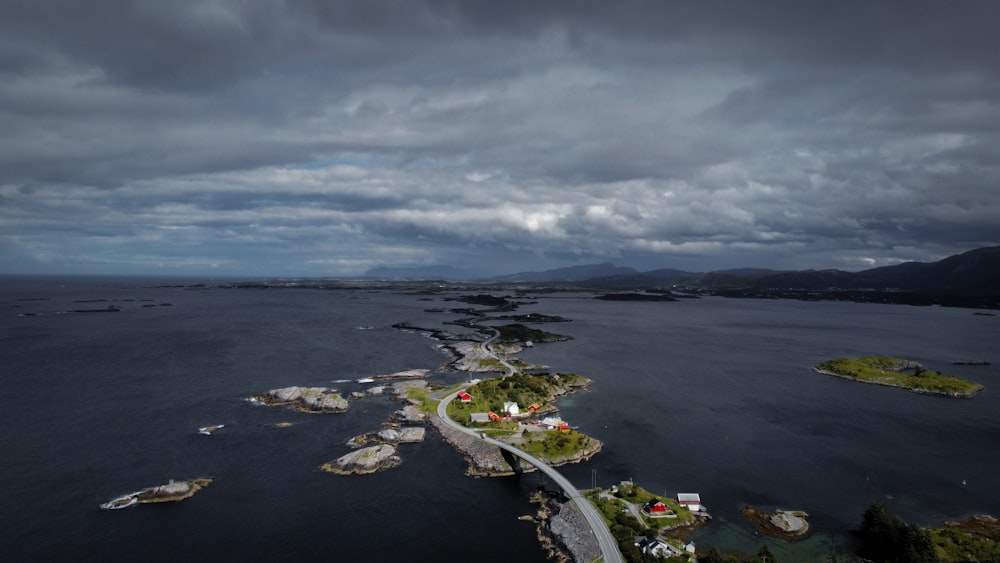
305 399
364 461
172 491
785 524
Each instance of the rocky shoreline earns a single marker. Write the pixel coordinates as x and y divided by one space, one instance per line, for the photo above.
562 529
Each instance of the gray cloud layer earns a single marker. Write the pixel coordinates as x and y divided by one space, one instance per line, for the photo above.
325 138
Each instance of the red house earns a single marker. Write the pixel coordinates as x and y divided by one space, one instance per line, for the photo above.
534 407
654 506
494 416
464 397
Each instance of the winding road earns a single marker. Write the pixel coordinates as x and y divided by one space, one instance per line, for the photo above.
607 543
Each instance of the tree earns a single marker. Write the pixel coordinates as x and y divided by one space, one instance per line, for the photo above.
888 539
764 555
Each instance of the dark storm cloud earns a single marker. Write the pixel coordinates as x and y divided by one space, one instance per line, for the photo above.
327 137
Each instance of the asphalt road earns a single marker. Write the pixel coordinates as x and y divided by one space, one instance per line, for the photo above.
607 543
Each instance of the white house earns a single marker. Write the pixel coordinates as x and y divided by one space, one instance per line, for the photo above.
690 500
511 408
552 422
656 546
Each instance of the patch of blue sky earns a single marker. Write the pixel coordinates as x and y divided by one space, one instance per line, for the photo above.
360 160
447 162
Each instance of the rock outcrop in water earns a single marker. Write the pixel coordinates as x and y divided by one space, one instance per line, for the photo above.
305 399
173 491
364 461
785 524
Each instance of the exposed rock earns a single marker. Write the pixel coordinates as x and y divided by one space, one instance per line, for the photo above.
364 461
469 356
306 399
563 530
400 388
402 435
209 430
360 440
409 414
785 524
484 459
407 374
980 524
173 491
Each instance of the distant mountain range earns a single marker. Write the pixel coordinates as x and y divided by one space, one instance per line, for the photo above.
973 274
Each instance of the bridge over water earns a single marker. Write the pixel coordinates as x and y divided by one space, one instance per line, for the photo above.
607 543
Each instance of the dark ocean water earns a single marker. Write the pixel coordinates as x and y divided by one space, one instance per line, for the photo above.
712 396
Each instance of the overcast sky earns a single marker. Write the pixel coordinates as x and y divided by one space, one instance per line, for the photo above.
284 138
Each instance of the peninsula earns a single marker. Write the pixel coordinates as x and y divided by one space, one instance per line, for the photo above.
897 372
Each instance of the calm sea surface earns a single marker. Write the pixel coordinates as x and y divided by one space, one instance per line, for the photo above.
713 396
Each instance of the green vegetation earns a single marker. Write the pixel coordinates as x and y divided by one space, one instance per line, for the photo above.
713 555
489 364
974 539
521 333
421 395
554 444
609 507
887 370
524 389
637 495
625 527
888 539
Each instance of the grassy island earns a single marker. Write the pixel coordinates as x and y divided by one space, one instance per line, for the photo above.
523 389
519 333
897 372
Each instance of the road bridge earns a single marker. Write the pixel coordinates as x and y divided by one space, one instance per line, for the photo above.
607 543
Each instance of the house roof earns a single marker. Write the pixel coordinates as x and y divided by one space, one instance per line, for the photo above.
689 497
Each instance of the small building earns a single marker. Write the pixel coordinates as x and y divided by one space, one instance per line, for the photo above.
656 547
511 408
493 416
691 501
534 407
464 396
552 422
479 417
654 506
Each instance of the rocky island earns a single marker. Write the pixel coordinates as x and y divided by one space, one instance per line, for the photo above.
785 524
364 461
172 491
897 372
305 399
